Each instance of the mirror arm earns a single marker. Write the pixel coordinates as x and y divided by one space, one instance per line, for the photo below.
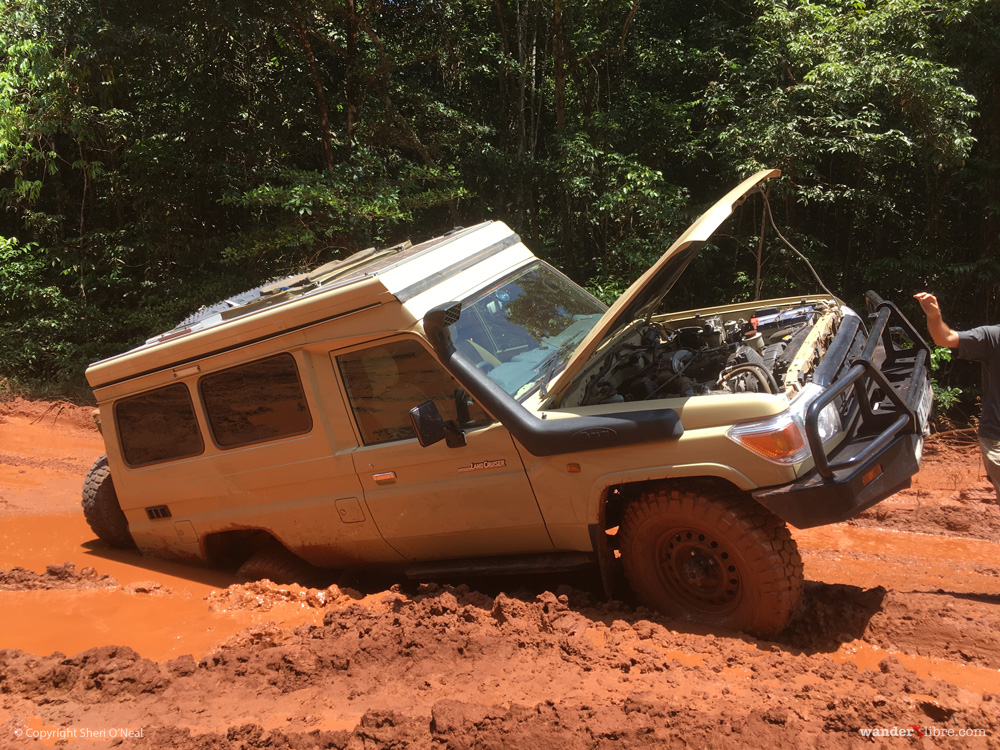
454 436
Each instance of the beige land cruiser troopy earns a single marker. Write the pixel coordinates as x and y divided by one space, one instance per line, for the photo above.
459 405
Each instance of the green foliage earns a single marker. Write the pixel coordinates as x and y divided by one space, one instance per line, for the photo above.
869 125
607 289
619 205
945 397
939 355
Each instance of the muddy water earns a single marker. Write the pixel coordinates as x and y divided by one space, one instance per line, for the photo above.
968 676
905 561
937 551
36 541
44 455
72 621
172 620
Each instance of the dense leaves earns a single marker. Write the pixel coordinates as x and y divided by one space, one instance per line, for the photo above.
156 157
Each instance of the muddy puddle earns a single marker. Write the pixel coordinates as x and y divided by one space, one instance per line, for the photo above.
159 608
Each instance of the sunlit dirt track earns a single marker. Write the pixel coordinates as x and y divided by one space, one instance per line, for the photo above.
899 634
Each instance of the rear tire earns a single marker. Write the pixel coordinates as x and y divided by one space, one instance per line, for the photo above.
278 565
718 560
101 508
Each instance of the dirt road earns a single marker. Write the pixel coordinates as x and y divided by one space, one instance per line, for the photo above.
899 634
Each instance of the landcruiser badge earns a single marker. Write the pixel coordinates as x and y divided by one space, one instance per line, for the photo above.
477 465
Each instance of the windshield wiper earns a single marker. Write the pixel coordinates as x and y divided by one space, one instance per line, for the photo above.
555 360
544 381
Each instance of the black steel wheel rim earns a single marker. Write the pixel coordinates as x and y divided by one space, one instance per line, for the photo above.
699 571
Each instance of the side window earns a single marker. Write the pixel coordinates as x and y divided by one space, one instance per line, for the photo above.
158 426
259 401
384 382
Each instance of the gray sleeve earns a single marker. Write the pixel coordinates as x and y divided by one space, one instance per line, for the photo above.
978 344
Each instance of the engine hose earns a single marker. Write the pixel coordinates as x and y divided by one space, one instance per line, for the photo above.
763 376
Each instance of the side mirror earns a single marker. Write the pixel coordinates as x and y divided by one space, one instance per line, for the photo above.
431 428
462 403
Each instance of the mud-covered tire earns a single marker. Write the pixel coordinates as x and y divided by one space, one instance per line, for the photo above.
278 565
718 560
101 508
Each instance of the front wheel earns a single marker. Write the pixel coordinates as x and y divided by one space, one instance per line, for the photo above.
718 560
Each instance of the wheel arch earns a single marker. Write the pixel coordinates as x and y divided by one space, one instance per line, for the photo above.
611 490
232 547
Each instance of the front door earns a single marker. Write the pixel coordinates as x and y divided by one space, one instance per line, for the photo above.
435 502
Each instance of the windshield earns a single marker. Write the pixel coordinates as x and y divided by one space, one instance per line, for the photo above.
522 330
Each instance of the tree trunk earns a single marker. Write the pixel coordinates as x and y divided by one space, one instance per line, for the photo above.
351 93
559 61
324 111
559 79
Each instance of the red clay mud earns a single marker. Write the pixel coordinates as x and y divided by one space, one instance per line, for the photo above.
64 576
897 634
950 497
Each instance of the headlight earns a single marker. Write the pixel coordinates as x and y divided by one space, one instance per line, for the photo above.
782 438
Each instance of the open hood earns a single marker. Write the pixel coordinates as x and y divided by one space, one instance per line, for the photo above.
646 293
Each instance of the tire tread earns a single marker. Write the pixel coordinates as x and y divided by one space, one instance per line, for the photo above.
278 565
101 509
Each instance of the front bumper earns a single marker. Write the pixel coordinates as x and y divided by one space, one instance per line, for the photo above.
813 501
888 390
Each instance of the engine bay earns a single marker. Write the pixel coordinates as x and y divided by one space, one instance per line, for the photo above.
771 348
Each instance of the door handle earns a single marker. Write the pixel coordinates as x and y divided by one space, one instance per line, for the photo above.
385 477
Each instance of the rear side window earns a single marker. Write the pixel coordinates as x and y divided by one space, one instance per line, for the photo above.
158 426
259 401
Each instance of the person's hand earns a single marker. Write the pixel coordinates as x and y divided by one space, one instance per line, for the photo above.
941 334
928 302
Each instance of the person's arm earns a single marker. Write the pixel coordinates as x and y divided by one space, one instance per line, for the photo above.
941 333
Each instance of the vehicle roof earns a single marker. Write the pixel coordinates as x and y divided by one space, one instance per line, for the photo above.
383 279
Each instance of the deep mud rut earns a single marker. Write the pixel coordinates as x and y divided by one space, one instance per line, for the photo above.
899 633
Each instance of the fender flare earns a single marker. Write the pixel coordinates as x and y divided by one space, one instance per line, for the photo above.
597 497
